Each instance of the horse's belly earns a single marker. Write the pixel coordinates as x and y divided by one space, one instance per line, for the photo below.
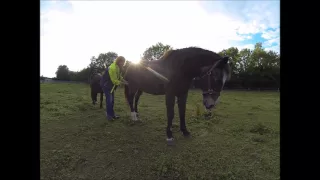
146 81
154 89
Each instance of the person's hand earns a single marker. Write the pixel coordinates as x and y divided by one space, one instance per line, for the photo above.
125 82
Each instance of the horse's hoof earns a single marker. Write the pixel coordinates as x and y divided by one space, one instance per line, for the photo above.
186 133
170 142
208 115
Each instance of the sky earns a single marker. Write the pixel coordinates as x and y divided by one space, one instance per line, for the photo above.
71 32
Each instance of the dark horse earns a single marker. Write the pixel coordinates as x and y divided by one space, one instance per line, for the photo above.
95 89
179 67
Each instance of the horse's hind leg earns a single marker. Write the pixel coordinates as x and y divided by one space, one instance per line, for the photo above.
93 96
136 101
170 98
182 102
101 100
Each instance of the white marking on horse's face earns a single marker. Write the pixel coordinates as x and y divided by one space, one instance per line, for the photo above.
224 78
216 101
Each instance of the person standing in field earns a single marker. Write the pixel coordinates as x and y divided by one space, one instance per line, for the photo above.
109 82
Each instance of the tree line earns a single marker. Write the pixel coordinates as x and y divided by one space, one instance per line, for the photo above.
251 69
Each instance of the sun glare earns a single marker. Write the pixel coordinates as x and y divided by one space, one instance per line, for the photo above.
137 61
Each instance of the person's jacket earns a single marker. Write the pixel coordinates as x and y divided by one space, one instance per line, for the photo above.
111 77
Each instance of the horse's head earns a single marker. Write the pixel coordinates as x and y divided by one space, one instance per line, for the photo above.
212 80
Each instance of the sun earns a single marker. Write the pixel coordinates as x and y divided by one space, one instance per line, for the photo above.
135 61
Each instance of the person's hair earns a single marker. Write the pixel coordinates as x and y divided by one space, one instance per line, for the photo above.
120 59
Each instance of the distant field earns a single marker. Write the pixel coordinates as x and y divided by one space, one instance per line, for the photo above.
240 142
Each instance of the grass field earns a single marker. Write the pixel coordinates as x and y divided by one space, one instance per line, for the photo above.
240 142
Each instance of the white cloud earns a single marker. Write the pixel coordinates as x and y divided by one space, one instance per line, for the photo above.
256 16
269 34
273 48
129 27
272 41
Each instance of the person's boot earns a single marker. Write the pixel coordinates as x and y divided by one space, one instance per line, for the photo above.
109 118
116 117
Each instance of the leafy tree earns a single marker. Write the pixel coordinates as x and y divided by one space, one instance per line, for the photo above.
62 73
253 68
155 52
244 59
233 54
271 66
258 56
100 63
93 68
273 60
73 75
105 60
84 75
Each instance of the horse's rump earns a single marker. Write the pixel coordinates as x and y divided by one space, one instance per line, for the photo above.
95 83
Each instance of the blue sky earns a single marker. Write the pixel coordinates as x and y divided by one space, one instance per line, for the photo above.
74 31
256 38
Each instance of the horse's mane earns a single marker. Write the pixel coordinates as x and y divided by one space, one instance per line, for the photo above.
189 51
188 58
166 54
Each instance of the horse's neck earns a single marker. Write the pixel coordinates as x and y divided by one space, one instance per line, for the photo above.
158 67
124 70
193 68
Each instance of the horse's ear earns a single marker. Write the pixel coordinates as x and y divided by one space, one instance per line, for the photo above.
222 62
225 60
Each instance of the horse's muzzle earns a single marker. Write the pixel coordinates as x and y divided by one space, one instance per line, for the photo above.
210 106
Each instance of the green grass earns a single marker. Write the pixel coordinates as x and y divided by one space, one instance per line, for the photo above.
241 140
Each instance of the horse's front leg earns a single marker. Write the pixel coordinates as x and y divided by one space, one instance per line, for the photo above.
129 95
130 102
182 102
136 101
170 115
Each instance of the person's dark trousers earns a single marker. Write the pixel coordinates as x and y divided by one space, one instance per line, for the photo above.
109 103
